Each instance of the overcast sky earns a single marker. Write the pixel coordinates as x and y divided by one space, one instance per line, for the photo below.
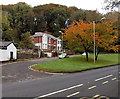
84 4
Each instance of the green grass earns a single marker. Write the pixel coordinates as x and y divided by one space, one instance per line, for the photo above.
79 63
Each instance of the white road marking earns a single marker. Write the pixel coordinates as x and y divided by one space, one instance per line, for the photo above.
103 77
105 82
92 87
114 78
73 94
59 91
96 96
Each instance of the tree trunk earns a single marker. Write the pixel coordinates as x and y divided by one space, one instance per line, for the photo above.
86 56
96 54
96 57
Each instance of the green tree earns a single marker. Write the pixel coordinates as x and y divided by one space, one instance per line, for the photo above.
8 33
50 17
92 15
21 19
26 41
78 15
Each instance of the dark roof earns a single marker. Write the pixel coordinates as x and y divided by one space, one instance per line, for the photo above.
3 45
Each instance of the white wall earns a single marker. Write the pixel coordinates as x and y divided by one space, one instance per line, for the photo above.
59 44
12 48
45 42
5 54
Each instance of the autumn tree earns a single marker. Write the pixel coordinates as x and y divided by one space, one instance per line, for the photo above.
106 37
80 36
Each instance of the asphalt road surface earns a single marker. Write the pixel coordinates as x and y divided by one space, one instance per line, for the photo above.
18 71
92 83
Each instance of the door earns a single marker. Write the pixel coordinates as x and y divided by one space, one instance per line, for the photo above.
11 55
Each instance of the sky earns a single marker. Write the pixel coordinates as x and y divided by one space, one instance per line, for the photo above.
84 4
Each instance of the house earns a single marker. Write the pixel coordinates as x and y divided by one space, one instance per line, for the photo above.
46 42
8 51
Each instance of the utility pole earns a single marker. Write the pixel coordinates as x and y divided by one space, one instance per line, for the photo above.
94 39
95 50
62 40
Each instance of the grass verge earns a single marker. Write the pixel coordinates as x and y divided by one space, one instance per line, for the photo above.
79 63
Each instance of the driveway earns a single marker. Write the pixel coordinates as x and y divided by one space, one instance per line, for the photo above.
18 72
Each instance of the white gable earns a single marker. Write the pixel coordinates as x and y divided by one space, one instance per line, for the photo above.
5 53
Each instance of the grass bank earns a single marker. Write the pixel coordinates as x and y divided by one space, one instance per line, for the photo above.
79 63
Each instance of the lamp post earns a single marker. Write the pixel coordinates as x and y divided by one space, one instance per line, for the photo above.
94 37
62 40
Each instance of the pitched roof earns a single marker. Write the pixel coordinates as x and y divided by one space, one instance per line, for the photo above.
4 44
41 34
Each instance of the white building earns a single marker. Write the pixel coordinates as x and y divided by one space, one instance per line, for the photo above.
46 42
8 51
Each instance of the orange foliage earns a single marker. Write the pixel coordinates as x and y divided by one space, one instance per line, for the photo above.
80 34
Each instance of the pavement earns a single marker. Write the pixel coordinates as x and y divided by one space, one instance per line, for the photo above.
92 83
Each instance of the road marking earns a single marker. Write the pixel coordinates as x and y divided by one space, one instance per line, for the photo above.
92 87
59 91
105 82
73 94
114 78
96 96
103 77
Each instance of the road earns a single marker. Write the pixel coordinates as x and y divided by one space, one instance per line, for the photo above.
90 83
18 71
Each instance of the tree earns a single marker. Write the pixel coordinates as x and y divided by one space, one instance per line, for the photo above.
51 18
92 15
114 17
8 34
21 18
106 37
26 41
111 4
78 15
79 35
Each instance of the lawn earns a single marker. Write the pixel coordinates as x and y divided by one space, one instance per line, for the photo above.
79 63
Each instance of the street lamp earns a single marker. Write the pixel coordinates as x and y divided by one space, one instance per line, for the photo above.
94 39
62 40
66 24
94 36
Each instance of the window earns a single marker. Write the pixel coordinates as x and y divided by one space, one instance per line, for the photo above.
49 40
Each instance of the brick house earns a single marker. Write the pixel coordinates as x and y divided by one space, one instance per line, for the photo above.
46 42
